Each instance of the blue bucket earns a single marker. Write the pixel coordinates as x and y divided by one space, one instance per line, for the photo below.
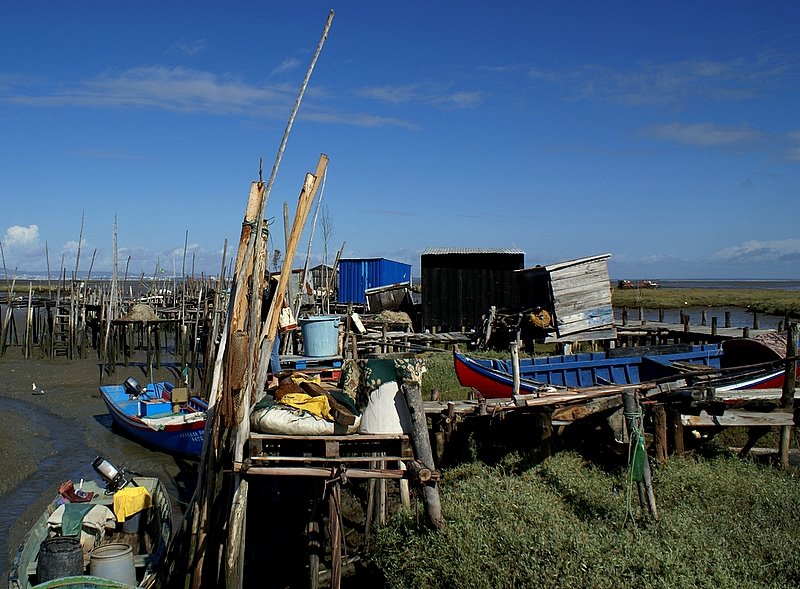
320 335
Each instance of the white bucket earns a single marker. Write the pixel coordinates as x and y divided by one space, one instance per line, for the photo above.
114 561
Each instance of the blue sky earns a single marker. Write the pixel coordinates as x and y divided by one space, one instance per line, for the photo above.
663 133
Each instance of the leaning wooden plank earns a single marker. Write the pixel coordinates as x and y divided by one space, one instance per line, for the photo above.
234 563
735 418
576 412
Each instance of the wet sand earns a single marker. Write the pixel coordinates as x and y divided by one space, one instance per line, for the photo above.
48 438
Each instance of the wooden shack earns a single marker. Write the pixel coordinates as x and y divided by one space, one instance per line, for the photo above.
576 295
459 285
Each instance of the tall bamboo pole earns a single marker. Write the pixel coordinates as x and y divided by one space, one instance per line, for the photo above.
308 249
78 255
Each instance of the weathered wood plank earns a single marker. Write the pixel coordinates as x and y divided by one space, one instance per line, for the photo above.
353 473
734 418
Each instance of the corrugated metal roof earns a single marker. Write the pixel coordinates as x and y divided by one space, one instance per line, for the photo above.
438 251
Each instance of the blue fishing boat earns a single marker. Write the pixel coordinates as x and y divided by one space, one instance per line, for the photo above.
494 378
156 416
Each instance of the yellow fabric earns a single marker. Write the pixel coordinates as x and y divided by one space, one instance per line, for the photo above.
130 501
299 377
319 406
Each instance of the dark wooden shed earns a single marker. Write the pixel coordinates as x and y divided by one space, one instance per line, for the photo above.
576 294
459 285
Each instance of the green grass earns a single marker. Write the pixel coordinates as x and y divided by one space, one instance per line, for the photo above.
772 302
562 524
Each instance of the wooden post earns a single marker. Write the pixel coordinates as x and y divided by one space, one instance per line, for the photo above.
515 365
714 325
727 318
787 395
661 314
334 521
660 433
544 421
423 452
703 317
157 345
633 420
790 374
641 314
676 430
29 322
745 331
755 320
624 315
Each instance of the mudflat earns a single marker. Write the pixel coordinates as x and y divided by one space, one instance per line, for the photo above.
52 434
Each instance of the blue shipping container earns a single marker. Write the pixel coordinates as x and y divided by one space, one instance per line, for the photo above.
357 275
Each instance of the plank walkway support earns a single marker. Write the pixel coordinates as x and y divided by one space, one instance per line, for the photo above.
422 450
660 433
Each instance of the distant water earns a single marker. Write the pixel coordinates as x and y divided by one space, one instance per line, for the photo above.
739 317
730 284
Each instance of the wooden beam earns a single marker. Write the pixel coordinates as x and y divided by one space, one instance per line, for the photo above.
734 418
353 473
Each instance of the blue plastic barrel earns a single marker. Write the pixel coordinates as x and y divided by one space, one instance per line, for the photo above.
320 335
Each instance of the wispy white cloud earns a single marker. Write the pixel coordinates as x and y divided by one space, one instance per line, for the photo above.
784 146
673 85
167 88
424 93
706 134
190 47
356 119
287 65
781 250
188 90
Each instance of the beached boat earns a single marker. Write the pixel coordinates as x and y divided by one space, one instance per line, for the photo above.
98 537
157 415
494 378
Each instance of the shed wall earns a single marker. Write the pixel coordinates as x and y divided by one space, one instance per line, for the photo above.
458 289
357 275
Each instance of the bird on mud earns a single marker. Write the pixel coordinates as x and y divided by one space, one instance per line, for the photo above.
36 390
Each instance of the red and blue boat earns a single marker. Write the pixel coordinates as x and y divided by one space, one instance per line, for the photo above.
154 416
733 361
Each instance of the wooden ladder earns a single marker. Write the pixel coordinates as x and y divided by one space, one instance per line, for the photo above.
62 333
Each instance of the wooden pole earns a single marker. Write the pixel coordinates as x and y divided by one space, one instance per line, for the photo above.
633 420
790 374
660 433
29 322
515 365
787 394
423 452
